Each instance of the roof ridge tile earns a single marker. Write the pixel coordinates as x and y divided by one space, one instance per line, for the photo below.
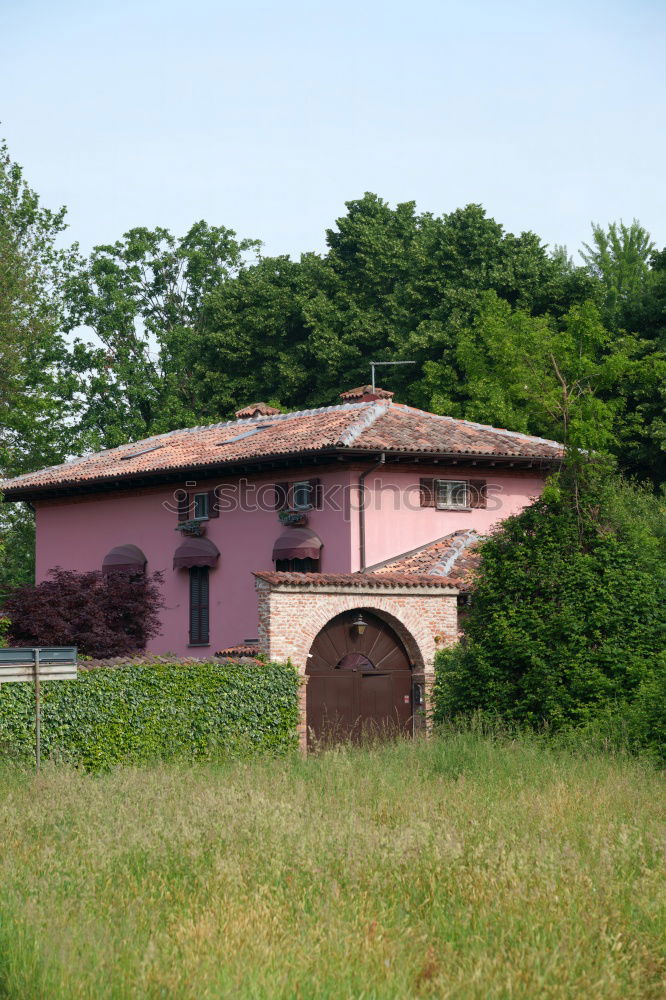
375 410
449 537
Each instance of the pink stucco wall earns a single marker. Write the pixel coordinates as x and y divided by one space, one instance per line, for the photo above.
78 533
395 521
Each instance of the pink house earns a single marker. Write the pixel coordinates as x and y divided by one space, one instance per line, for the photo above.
335 536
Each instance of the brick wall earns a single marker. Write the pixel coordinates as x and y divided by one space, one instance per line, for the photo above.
291 616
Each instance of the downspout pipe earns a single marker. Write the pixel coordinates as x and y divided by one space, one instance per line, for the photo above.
361 505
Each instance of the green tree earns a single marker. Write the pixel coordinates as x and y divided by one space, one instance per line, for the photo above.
38 401
394 284
532 374
36 388
633 276
563 622
619 258
144 298
17 547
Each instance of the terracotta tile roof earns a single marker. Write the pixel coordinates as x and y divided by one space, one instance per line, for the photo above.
404 428
354 579
449 561
352 427
365 392
243 650
454 557
257 410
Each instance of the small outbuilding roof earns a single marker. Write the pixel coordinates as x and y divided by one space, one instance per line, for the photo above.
450 561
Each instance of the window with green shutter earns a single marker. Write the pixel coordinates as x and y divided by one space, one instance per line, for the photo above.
199 614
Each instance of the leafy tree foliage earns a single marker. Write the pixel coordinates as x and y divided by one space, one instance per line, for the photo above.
623 259
567 615
500 329
619 258
17 554
38 391
36 388
393 285
144 298
104 615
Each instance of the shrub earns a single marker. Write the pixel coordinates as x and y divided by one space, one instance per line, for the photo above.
567 617
637 725
160 710
104 615
4 628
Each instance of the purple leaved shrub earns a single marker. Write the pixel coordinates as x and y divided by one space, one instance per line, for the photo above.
103 614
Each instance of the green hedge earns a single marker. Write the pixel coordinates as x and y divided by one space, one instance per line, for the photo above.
138 713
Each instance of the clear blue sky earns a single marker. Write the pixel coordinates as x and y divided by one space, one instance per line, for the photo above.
268 116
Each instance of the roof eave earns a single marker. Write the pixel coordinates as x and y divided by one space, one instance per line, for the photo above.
168 474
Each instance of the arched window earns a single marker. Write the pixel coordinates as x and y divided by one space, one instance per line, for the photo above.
198 556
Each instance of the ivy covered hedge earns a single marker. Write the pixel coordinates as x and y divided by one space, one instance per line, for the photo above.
144 712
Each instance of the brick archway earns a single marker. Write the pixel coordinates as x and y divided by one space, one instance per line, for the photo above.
292 614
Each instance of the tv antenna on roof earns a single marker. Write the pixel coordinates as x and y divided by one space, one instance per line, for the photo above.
376 364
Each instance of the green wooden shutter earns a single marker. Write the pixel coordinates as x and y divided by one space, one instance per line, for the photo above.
183 505
316 496
213 509
199 613
281 495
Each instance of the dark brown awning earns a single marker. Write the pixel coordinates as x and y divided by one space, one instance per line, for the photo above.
297 543
124 558
195 552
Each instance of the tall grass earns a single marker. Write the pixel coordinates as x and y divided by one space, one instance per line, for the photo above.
465 866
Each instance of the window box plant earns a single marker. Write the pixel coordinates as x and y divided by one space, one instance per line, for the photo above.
194 527
296 518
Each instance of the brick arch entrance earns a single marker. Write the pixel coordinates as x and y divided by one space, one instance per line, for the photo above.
359 680
293 611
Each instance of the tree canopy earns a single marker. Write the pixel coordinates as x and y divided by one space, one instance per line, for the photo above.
502 330
155 332
567 616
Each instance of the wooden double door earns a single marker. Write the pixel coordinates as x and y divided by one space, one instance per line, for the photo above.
359 681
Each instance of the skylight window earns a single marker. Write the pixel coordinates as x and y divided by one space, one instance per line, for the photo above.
144 451
246 434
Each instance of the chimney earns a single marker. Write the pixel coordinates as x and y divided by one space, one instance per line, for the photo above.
365 394
256 410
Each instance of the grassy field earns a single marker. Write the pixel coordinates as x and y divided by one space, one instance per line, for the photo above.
458 867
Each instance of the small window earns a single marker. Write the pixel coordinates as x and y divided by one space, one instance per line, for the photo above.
297 565
200 511
451 494
199 606
301 495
